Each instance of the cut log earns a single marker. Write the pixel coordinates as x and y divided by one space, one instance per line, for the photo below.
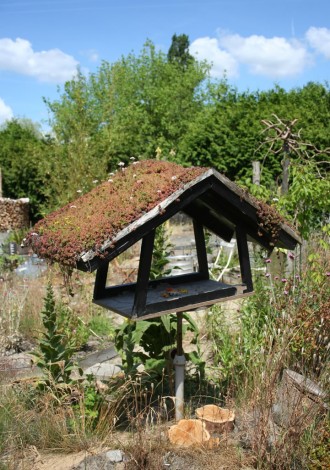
188 432
216 419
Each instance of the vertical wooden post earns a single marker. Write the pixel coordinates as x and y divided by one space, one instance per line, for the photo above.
100 281
285 175
141 292
244 258
256 172
203 267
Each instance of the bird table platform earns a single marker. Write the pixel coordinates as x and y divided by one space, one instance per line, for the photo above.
100 225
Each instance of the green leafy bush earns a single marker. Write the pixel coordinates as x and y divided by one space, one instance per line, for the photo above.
56 348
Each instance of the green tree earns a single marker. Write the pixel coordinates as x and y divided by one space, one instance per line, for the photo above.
126 109
179 51
23 156
227 133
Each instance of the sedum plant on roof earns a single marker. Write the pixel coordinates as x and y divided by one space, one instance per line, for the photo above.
99 215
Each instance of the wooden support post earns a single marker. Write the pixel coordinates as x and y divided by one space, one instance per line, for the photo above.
285 175
179 347
141 291
244 258
256 173
201 250
100 281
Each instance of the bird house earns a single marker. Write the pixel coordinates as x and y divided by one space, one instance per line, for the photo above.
100 225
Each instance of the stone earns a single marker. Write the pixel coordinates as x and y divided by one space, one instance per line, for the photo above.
299 400
114 456
102 371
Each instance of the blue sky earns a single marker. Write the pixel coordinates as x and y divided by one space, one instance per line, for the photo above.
257 42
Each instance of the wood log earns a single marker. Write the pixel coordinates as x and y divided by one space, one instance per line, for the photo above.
216 419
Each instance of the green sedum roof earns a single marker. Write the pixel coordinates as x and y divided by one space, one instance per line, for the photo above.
101 214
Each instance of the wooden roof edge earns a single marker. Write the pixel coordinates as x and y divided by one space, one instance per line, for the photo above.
291 232
252 201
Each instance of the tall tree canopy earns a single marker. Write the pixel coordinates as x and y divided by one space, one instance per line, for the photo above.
126 109
179 51
228 133
153 105
23 155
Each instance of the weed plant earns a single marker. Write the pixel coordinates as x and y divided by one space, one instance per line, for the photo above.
285 324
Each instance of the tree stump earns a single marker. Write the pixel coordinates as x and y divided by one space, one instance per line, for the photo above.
216 419
188 432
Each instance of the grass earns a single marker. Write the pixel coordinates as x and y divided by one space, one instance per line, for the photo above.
284 325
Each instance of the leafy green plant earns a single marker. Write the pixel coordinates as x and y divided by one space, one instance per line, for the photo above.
18 235
55 347
161 253
157 339
9 262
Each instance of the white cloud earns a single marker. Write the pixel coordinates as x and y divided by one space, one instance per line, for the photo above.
222 62
47 66
273 57
319 39
6 112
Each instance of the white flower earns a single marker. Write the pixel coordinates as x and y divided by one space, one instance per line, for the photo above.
132 158
134 176
79 191
111 174
110 180
173 178
73 207
121 164
95 181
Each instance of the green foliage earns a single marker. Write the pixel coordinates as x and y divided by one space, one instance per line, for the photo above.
151 101
179 51
89 404
161 252
234 349
17 236
226 134
157 338
307 202
287 316
125 109
9 262
23 157
56 347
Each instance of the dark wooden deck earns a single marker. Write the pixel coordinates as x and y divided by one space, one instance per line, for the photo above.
165 297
